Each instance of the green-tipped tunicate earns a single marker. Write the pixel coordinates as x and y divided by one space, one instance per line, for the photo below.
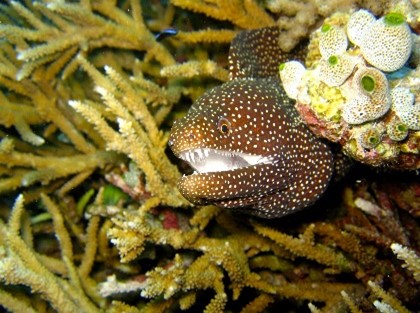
291 74
333 41
404 105
388 43
336 69
369 96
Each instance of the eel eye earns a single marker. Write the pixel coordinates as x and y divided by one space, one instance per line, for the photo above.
223 125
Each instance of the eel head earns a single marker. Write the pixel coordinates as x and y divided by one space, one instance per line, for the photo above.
250 151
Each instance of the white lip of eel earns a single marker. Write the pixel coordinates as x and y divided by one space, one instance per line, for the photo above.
206 160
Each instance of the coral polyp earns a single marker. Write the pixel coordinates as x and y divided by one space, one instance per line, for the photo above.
361 87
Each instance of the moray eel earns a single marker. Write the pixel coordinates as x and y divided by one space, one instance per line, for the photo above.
245 140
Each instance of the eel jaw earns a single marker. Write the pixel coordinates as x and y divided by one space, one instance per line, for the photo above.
206 160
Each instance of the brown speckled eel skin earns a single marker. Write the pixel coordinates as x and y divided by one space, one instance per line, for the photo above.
245 140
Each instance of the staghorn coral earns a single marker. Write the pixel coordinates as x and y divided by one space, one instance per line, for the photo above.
63 33
243 13
183 277
21 265
249 267
134 244
412 261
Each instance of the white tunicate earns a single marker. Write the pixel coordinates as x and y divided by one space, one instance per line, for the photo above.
291 74
333 41
396 129
370 81
403 103
354 110
335 70
387 46
369 98
358 25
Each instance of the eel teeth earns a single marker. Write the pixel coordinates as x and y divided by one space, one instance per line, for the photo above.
201 157
200 154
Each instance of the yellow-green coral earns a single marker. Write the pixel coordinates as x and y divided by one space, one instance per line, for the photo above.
325 100
20 265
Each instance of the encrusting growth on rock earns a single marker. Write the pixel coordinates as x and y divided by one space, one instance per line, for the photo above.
362 72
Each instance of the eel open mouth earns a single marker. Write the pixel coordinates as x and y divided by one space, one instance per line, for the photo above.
205 160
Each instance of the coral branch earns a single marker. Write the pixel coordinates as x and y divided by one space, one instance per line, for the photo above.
20 266
411 259
207 36
389 300
243 13
196 68
303 247
11 303
49 168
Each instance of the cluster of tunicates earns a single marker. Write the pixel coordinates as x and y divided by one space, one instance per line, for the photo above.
360 87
